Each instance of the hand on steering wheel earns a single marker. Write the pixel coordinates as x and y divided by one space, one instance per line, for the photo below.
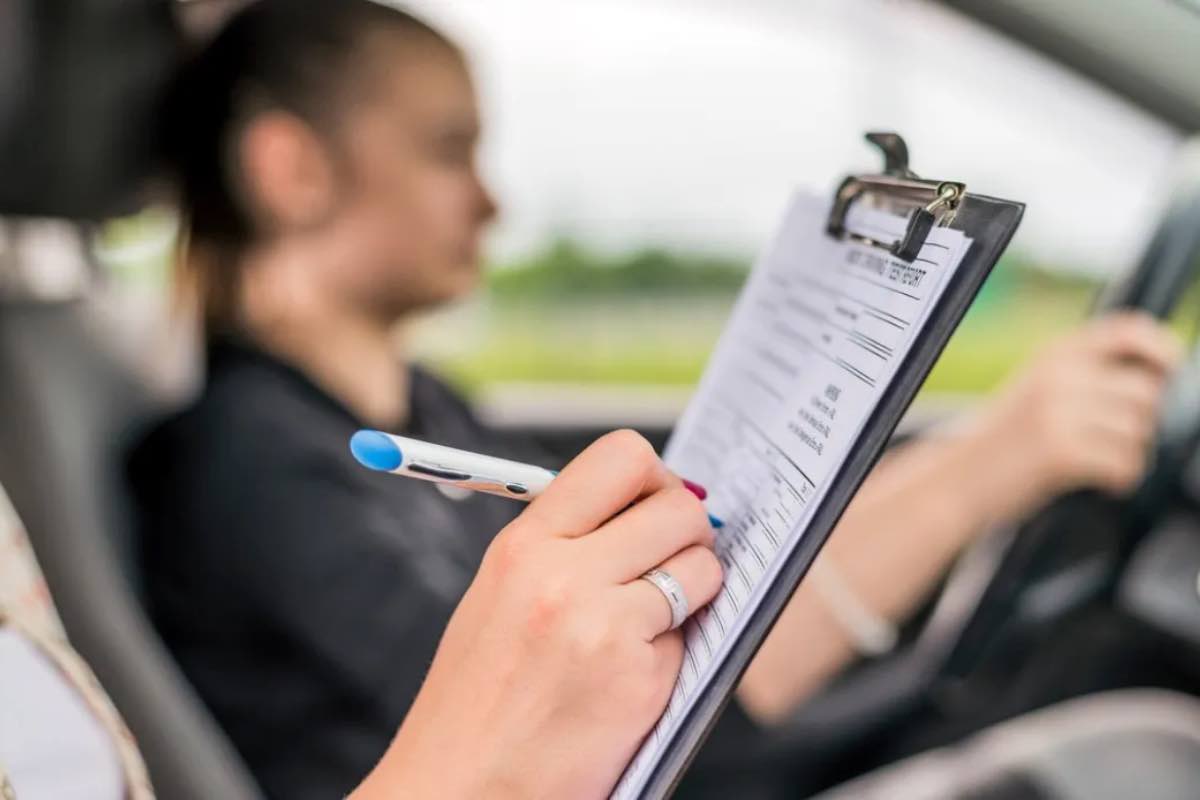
1082 415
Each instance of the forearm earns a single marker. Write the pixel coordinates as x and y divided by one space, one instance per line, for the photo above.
444 747
416 766
914 514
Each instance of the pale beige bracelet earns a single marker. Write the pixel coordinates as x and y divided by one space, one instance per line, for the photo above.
870 633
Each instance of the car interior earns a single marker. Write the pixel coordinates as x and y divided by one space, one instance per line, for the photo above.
1110 584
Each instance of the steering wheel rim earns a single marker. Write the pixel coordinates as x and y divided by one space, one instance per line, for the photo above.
1168 266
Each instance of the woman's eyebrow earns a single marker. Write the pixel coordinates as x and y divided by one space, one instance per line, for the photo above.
462 133
463 128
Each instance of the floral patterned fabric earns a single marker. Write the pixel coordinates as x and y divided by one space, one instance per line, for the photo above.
26 605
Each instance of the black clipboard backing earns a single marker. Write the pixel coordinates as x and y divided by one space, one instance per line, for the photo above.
991 223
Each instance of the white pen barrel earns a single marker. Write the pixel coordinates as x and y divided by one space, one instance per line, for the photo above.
414 458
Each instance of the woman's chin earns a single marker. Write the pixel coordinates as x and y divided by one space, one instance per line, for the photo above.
454 291
468 277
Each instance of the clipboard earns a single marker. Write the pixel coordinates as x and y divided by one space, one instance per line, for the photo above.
991 223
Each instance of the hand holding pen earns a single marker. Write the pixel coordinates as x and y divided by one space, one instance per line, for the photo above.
563 640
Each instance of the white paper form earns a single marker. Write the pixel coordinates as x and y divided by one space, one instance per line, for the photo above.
816 337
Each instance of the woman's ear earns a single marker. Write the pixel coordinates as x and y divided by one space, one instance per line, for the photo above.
288 177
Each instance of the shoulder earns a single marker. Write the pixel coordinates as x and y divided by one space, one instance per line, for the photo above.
247 402
251 426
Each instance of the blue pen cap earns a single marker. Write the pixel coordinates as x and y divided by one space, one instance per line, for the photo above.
376 450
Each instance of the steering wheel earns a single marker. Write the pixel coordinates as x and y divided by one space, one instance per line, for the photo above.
1073 552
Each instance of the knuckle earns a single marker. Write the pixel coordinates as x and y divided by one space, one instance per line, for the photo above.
1065 457
616 643
688 512
1057 441
1121 480
679 502
714 571
1113 333
1142 396
548 608
1128 323
586 641
1125 475
1136 468
628 447
535 521
1144 335
709 575
506 552
631 444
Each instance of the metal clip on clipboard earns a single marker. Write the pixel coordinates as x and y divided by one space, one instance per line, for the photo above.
926 203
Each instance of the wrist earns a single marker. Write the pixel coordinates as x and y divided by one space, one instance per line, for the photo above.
415 767
1006 475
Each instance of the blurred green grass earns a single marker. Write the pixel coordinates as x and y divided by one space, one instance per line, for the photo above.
667 342
568 314
515 353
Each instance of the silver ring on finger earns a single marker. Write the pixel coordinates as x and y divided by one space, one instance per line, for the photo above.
672 590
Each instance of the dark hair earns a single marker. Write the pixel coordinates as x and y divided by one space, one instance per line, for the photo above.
300 56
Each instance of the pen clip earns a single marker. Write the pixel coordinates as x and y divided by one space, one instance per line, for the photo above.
434 471
479 483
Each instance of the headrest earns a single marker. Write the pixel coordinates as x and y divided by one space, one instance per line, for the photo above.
42 260
78 108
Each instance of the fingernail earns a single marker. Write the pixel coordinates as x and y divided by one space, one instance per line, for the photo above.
716 523
695 489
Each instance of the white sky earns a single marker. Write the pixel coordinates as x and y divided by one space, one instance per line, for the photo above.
688 122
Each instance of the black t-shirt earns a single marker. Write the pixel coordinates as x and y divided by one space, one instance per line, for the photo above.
303 595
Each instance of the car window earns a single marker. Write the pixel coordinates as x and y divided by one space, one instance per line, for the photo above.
643 152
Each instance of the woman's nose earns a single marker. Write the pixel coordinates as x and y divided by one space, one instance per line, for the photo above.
488 208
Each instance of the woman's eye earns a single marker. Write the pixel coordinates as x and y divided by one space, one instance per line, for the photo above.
455 151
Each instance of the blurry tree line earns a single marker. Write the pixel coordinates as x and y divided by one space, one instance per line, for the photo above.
566 267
